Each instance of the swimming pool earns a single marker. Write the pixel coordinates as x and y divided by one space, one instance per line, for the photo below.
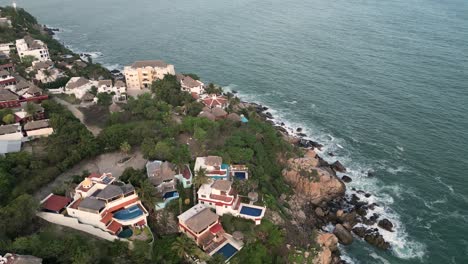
172 194
227 251
240 175
126 233
129 213
250 211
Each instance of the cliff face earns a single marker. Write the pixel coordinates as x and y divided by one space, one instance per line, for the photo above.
314 183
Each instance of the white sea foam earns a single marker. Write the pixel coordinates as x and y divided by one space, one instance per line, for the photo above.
377 257
439 179
402 246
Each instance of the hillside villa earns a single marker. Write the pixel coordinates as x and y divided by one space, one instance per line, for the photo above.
102 202
46 72
195 87
220 196
141 74
204 227
10 138
119 89
217 170
28 46
79 86
164 176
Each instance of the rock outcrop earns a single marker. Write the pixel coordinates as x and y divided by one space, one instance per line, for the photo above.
343 235
386 224
328 244
312 182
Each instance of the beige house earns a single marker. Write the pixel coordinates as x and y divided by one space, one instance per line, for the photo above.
141 74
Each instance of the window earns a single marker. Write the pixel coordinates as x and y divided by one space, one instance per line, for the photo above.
202 202
204 196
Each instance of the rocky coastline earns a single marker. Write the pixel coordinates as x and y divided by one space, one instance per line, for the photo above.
321 199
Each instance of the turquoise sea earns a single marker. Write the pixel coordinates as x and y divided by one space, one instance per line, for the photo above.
382 83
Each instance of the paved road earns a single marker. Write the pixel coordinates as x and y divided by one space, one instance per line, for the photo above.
78 114
102 163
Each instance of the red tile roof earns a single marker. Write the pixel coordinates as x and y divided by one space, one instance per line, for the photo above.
216 228
122 205
76 203
106 219
114 227
56 203
142 222
94 175
213 100
221 198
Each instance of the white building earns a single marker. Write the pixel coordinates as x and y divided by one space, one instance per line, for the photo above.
28 46
5 48
6 79
190 85
141 74
38 129
46 72
213 166
10 138
79 86
220 196
102 202
119 89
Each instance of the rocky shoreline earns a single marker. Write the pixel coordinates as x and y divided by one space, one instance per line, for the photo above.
321 199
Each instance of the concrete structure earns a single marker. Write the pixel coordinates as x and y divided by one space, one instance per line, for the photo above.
141 74
46 72
104 203
5 48
213 166
220 196
28 46
194 87
79 86
6 79
5 22
203 226
38 129
10 138
164 176
10 258
119 89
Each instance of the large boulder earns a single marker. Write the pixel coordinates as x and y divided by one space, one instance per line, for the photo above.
337 166
360 231
376 239
343 235
346 179
386 224
328 244
315 184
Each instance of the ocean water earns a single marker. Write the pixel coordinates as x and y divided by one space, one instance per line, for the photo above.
383 84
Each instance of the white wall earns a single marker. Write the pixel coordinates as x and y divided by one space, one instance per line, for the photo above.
73 223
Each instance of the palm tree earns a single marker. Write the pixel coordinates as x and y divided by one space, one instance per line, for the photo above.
146 193
30 109
183 246
199 179
125 147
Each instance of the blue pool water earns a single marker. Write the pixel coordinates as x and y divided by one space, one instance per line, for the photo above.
171 194
227 251
126 233
250 211
244 119
240 175
224 166
129 213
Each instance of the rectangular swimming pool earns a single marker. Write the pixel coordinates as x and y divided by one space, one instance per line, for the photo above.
250 211
227 251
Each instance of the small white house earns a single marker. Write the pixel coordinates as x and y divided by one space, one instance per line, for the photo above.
79 86
38 129
46 72
190 85
10 138
119 89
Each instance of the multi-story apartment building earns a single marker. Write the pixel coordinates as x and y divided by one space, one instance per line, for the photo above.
28 46
141 74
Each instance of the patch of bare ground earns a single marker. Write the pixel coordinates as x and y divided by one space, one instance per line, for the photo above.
95 115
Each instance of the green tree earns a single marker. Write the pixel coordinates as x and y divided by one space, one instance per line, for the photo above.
28 60
168 90
199 179
31 109
183 247
104 99
125 147
8 119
